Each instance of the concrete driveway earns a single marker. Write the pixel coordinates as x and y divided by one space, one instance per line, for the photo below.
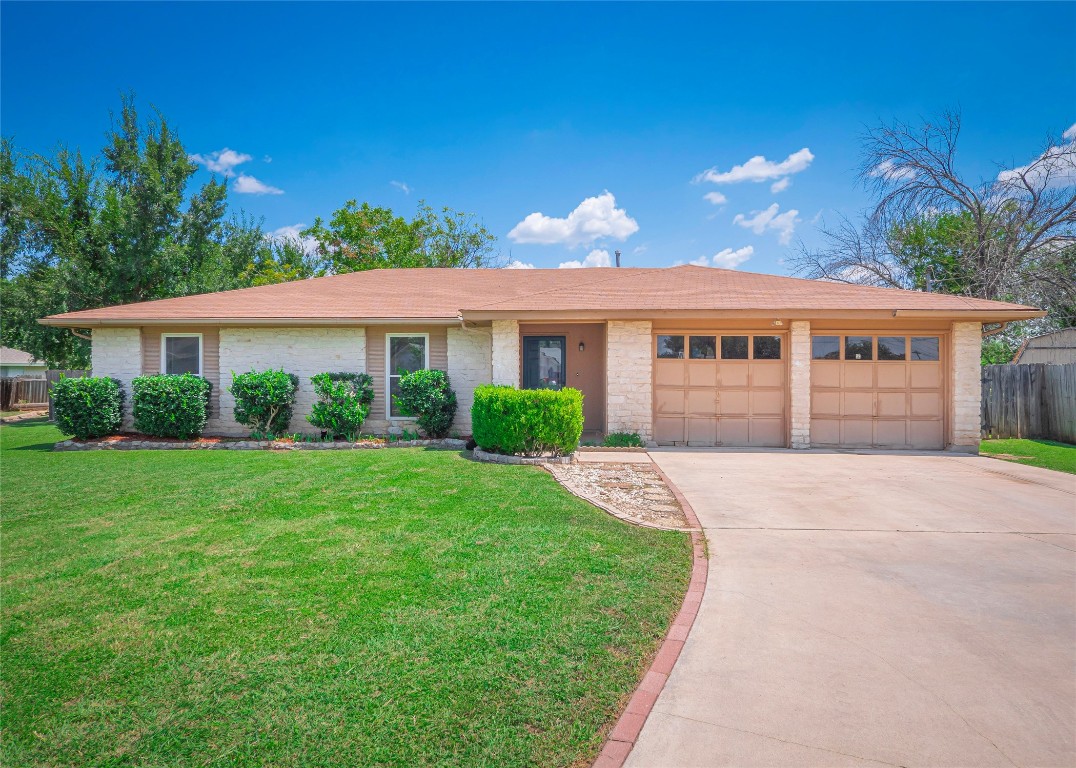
874 610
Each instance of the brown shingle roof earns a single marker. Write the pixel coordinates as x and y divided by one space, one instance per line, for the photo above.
441 294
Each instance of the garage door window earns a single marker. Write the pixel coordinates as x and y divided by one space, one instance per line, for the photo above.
858 347
733 347
767 347
891 347
924 348
826 347
671 347
703 347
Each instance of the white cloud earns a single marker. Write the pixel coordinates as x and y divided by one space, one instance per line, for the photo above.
519 265
726 259
293 232
889 171
248 185
596 258
716 198
267 159
784 224
594 218
1070 134
780 185
402 186
222 161
1058 162
758 168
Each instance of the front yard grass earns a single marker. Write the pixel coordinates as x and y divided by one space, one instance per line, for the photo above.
1038 453
368 608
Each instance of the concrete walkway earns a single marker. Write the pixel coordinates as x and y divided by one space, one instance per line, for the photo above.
874 610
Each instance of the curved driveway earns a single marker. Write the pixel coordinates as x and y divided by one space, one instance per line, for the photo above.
874 610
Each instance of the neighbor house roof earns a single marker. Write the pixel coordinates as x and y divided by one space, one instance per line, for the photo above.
9 356
445 295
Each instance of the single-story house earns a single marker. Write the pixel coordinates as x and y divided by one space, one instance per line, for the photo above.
683 355
1056 347
15 362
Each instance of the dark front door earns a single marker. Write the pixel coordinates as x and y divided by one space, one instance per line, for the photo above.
544 359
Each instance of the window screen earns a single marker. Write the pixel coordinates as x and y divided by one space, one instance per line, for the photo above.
182 354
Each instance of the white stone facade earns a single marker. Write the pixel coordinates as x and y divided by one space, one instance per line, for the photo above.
505 352
966 387
302 351
117 353
469 365
629 377
799 384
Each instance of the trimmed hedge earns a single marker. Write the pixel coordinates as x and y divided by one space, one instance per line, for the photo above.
264 400
88 407
527 421
171 405
427 395
343 402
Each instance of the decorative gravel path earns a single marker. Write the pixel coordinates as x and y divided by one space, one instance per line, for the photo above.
633 492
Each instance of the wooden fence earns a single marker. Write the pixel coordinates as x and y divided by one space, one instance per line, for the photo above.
1036 401
23 392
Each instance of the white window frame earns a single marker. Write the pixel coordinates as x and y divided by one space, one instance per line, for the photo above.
388 368
164 350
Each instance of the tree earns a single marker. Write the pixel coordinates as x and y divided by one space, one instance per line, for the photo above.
1009 238
361 237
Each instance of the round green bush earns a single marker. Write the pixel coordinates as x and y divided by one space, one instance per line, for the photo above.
88 407
343 402
529 422
428 396
264 400
171 405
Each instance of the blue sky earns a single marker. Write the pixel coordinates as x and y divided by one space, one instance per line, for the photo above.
526 113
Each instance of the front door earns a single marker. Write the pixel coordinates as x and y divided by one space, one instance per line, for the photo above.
544 362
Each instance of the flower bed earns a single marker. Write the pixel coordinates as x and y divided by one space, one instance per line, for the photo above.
147 443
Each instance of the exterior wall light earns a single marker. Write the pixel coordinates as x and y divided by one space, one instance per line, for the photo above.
582 346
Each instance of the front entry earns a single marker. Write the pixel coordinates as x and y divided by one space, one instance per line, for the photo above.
554 356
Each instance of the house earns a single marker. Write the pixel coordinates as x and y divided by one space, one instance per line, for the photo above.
14 362
1057 347
683 355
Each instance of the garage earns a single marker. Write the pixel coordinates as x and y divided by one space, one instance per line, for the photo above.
714 388
877 391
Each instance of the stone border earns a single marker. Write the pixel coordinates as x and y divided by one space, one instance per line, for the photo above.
500 458
626 731
250 445
610 449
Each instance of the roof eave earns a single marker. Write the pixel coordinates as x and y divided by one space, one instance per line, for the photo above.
240 322
981 315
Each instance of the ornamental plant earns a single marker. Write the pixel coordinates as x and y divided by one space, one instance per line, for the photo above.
623 440
171 405
427 395
529 422
87 407
264 400
343 402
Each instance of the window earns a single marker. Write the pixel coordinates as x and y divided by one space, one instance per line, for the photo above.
405 353
826 347
858 347
670 346
767 347
703 347
733 347
181 353
924 348
543 362
891 347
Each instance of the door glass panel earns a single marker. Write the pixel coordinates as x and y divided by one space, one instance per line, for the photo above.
858 347
767 347
670 346
826 347
733 347
890 347
543 362
924 348
181 354
703 347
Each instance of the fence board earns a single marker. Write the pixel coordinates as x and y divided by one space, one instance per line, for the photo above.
1036 401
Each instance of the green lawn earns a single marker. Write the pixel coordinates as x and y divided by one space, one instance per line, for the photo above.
1038 453
370 608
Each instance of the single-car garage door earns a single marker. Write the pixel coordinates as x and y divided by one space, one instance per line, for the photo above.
877 391
720 389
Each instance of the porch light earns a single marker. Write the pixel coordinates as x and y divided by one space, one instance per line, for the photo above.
582 346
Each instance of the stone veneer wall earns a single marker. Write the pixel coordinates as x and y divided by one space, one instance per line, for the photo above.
117 353
800 383
469 365
629 377
302 351
966 387
505 352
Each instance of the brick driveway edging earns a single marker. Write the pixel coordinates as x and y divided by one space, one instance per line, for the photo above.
626 730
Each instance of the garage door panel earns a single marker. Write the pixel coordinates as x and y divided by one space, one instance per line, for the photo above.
825 432
735 431
926 376
925 435
702 402
668 430
826 373
669 373
892 376
926 404
767 402
825 403
857 375
857 403
669 401
735 402
767 375
702 374
891 434
892 404
702 431
857 432
733 374
768 433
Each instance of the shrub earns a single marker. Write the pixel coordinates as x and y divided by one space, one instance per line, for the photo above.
88 407
343 402
623 440
264 400
428 396
527 421
171 405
